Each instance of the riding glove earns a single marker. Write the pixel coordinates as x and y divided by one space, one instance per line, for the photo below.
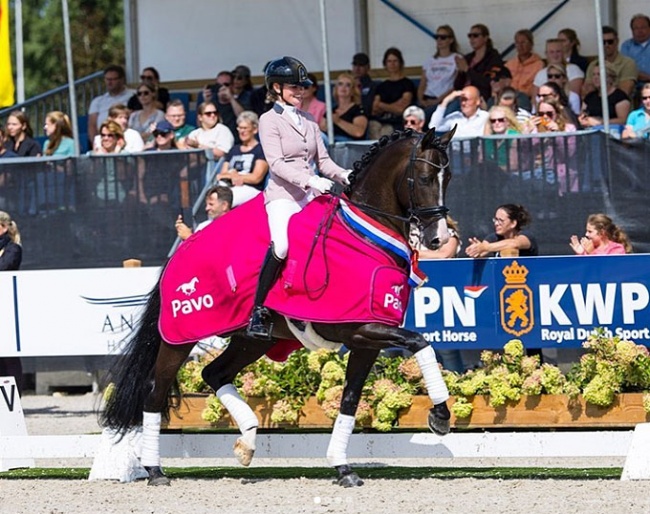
321 184
344 177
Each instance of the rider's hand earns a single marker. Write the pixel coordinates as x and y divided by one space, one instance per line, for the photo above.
321 184
344 177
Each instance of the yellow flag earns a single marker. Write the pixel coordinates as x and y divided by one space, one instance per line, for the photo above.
6 77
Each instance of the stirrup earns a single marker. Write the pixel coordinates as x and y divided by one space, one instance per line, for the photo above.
260 326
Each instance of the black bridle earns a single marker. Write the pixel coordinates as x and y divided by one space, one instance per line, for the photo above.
415 213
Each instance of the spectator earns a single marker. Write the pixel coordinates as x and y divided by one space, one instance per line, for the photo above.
245 168
211 134
553 91
260 102
556 73
367 86
151 76
221 93
501 79
503 152
111 136
637 47
116 93
176 115
555 55
414 118
602 237
218 201
58 129
132 141
21 140
144 120
348 117
618 103
392 96
509 98
509 237
242 86
638 121
310 103
624 68
111 173
11 255
525 65
571 49
478 65
470 120
4 151
439 70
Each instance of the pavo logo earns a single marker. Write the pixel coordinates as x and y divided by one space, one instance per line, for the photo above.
516 301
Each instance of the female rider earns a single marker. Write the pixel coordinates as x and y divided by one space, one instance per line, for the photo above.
293 147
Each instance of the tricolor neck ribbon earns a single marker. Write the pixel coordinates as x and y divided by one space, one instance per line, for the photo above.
385 238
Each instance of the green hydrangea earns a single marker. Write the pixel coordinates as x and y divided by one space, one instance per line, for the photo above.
213 411
552 378
462 408
284 412
532 385
600 391
646 402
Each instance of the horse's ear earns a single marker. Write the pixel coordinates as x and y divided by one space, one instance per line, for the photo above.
428 141
447 137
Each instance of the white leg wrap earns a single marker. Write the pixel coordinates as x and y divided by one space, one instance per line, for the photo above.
239 411
433 381
337 451
150 439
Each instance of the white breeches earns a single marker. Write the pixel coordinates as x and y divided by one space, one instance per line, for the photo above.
279 212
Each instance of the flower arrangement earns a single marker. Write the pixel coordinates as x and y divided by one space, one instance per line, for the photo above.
609 366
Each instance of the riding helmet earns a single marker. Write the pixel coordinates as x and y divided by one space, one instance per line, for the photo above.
286 70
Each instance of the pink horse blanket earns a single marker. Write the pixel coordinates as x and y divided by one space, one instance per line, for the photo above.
333 272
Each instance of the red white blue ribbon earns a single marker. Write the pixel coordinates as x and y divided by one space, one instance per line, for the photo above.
383 237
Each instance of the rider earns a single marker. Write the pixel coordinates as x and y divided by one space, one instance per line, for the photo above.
294 148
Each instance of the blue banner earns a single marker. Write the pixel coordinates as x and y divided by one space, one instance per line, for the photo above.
544 301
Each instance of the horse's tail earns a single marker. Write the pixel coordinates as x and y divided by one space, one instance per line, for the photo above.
132 374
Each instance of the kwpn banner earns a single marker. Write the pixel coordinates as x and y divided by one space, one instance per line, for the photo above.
6 77
544 301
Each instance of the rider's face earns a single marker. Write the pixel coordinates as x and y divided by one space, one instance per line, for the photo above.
290 94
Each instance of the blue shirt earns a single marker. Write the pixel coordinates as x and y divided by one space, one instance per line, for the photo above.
640 52
639 121
65 148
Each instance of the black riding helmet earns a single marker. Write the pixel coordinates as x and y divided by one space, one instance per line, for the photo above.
286 70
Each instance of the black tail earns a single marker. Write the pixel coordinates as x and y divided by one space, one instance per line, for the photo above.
132 374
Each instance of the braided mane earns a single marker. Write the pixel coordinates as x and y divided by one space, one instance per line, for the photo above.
360 165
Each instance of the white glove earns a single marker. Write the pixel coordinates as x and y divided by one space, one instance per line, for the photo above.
344 177
321 184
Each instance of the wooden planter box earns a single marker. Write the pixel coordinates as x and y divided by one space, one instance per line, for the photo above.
544 411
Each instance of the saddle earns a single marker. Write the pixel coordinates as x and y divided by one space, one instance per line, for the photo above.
334 273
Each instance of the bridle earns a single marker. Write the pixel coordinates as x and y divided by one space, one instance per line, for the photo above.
415 213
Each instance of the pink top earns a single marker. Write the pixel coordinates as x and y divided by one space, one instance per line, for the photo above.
317 109
610 248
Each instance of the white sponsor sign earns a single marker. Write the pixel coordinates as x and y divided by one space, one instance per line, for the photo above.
71 312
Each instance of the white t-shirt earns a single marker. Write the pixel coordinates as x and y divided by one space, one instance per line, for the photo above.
218 136
102 103
132 138
440 73
572 72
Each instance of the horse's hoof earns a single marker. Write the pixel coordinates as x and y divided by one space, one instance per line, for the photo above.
243 452
156 476
347 477
439 418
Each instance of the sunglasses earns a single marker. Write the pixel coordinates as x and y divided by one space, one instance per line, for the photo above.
209 113
645 98
107 136
497 120
473 35
157 133
548 114
555 76
408 123
443 37
609 41
147 77
144 93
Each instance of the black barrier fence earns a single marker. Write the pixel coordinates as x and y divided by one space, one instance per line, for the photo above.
96 211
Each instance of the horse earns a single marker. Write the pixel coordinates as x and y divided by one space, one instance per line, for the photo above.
396 189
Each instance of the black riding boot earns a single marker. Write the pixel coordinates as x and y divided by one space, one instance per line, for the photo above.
260 324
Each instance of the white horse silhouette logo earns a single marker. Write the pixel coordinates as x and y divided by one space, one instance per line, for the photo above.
397 289
188 287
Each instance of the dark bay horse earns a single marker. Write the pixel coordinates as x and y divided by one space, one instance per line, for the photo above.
398 184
